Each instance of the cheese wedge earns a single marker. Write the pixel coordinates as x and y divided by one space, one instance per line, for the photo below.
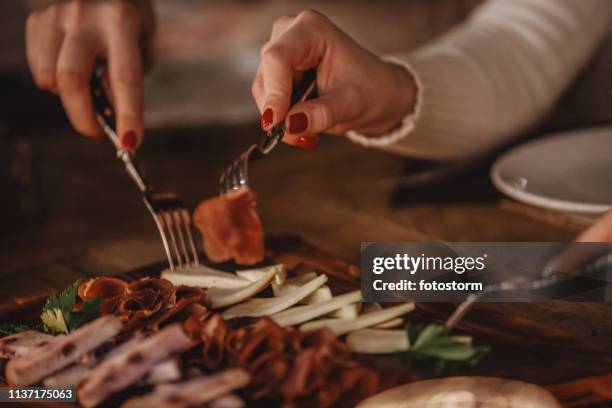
372 341
342 326
227 297
268 306
301 314
205 277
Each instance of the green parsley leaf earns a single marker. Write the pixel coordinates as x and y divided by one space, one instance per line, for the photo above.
90 310
62 313
53 321
434 351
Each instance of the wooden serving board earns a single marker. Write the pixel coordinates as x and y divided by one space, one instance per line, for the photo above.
522 348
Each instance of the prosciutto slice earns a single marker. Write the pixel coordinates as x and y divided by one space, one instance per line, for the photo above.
110 290
231 228
61 352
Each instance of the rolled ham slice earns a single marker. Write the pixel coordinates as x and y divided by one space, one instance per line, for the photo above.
61 352
131 364
231 228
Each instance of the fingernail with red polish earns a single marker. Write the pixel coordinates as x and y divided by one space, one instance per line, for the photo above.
298 123
128 140
308 143
267 118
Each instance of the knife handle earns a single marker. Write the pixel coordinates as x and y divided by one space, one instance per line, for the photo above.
105 115
103 109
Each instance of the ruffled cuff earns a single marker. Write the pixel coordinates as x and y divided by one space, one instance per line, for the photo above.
408 123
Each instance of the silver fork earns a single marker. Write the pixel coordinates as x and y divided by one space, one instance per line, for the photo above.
172 219
236 175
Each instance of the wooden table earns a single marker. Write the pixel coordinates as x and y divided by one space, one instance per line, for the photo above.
335 198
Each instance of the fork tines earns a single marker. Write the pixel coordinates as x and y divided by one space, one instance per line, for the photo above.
174 224
236 175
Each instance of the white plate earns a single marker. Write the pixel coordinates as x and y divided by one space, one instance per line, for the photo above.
571 171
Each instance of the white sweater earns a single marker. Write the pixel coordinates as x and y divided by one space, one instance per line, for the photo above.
495 76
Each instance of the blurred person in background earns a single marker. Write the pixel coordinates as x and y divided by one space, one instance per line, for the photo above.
485 82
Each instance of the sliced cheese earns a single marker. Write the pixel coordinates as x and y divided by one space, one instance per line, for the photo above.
254 275
268 306
301 314
227 297
372 341
205 277
371 307
343 326
397 322
347 312
292 283
320 295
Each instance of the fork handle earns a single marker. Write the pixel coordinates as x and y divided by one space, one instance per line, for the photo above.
105 115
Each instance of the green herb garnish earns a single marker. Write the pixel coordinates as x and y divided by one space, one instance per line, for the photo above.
62 314
435 352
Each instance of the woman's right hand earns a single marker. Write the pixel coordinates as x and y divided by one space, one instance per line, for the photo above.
63 41
356 89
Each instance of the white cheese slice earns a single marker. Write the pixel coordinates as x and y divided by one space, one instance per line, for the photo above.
301 314
320 295
372 341
258 273
291 283
342 326
268 306
227 297
347 312
393 323
205 277
368 307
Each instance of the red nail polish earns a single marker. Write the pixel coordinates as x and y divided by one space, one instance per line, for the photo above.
307 142
298 123
267 118
129 140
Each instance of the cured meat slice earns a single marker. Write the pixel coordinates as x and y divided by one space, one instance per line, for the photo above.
110 290
21 344
61 352
125 368
194 392
231 228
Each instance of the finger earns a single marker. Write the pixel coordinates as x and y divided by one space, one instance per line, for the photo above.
320 114
296 49
280 26
74 68
43 42
306 141
601 231
257 91
125 75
